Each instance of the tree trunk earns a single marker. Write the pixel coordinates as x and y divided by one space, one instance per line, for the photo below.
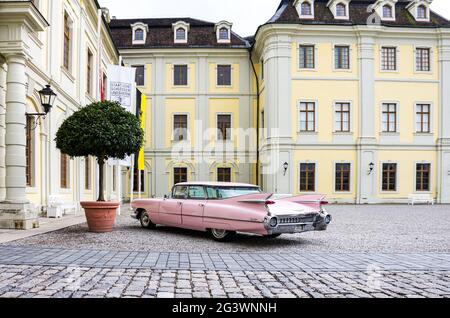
101 196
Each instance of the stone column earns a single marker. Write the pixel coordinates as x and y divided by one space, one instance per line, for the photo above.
444 121
2 127
16 212
367 140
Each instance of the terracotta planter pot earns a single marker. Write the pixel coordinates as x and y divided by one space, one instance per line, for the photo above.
100 216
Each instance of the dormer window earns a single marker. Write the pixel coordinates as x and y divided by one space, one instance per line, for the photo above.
180 34
140 31
387 11
306 8
223 32
422 12
181 30
341 10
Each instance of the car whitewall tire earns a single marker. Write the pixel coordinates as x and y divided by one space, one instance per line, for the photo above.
222 235
145 221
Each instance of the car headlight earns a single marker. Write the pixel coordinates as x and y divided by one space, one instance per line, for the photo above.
273 222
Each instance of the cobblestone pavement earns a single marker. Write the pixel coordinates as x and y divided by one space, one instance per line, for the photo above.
80 282
44 272
381 228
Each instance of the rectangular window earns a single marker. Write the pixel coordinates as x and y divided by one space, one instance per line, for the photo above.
64 171
307 177
423 60
29 150
342 117
224 174
87 173
307 117
180 75
180 123
136 180
223 127
389 117
179 175
343 171
307 56
224 75
89 69
423 171
342 57
140 75
389 58
423 114
389 182
67 42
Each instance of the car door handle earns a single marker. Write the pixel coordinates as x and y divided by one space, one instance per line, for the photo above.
180 203
201 205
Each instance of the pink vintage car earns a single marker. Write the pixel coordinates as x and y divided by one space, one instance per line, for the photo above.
223 209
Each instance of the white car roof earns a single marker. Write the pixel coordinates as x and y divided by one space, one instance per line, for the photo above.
217 184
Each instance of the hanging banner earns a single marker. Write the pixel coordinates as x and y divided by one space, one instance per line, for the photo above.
121 85
142 114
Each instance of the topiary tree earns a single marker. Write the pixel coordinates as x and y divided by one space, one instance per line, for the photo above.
103 130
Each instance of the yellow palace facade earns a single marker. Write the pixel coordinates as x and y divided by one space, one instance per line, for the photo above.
350 99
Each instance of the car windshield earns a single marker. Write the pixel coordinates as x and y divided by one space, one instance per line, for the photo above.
230 192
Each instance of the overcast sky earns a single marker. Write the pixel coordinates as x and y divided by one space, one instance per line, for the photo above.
246 15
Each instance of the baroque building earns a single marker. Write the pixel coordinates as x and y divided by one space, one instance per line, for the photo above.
65 44
348 98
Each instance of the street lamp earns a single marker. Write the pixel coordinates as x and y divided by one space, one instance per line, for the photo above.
48 97
371 167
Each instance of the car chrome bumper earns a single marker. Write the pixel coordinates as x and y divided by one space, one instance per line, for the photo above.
320 223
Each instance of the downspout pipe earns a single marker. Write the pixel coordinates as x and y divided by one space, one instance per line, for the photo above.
257 114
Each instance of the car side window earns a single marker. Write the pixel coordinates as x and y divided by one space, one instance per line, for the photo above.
180 192
212 193
197 193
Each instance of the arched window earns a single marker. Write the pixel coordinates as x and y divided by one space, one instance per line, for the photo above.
223 34
306 8
139 35
341 10
422 12
181 34
387 11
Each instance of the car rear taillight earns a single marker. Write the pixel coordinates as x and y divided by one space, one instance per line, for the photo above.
323 202
269 202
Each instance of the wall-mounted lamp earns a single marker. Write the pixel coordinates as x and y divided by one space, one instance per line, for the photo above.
371 167
285 167
48 98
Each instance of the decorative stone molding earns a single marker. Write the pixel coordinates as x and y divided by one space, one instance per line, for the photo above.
181 25
136 27
415 5
221 26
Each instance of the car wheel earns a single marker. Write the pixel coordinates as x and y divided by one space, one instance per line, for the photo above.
145 221
222 235
273 236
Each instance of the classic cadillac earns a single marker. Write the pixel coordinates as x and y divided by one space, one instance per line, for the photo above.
223 209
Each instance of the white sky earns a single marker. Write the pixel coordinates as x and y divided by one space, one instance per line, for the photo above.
246 15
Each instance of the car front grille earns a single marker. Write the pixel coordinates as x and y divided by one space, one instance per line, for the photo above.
308 218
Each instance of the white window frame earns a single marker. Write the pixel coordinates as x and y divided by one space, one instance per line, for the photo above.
413 8
397 60
187 74
314 45
223 24
316 176
397 118
188 135
336 132
334 177
231 74
316 116
332 5
298 6
349 69
417 133
178 25
415 177
431 57
136 26
231 127
397 180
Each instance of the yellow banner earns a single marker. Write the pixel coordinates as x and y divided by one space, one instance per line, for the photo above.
141 159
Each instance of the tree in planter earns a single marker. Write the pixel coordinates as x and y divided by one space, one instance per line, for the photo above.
103 130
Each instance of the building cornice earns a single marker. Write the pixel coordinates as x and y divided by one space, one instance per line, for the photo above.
151 53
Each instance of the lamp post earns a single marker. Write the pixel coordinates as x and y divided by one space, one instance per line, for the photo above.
48 98
371 167
285 167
